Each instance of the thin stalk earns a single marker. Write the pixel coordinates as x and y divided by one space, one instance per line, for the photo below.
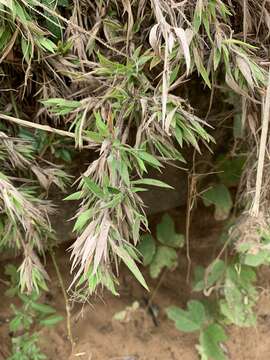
192 183
154 292
61 282
254 211
46 128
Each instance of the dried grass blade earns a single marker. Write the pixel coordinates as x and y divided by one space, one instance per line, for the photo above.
254 211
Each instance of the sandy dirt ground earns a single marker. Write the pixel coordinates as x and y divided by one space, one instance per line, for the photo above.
99 336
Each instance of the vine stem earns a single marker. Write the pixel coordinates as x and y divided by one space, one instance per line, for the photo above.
192 181
68 313
188 215
160 281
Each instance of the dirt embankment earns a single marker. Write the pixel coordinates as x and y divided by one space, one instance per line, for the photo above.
99 337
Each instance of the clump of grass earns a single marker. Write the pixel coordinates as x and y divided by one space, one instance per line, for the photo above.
112 77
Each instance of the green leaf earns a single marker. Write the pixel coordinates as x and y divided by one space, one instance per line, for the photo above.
219 196
198 282
136 228
197 20
166 233
123 171
150 159
238 128
174 73
240 295
147 247
20 12
53 25
217 57
164 257
206 24
130 263
95 136
210 339
206 279
230 169
255 260
26 50
178 135
116 200
101 126
64 3
75 196
152 182
82 219
101 277
58 103
11 292
51 320
215 272
93 187
42 308
189 320
16 323
63 154
11 271
46 44
52 22
200 67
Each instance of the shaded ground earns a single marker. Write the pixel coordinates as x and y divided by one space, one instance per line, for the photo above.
99 337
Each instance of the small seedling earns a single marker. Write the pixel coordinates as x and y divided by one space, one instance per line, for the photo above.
32 312
195 319
25 348
126 314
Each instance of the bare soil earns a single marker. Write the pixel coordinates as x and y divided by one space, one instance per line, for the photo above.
99 336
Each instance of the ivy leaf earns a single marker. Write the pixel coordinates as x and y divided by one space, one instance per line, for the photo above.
188 320
239 296
198 282
219 196
263 257
210 339
230 170
164 257
215 271
166 233
147 248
